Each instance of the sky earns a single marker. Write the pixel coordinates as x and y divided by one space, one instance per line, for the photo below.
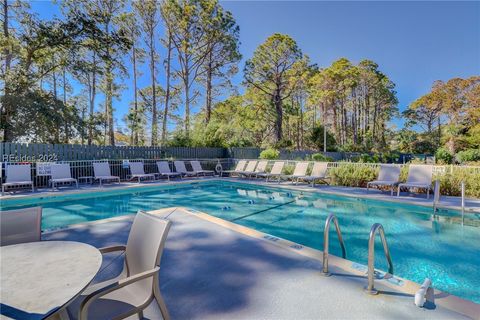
414 43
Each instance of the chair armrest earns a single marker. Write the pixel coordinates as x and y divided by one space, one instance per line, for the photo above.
112 249
112 287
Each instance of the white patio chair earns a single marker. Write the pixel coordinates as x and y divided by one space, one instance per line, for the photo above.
164 170
249 170
299 172
180 167
60 173
319 173
137 171
238 168
138 284
275 172
261 168
419 176
389 175
196 166
20 226
18 175
102 172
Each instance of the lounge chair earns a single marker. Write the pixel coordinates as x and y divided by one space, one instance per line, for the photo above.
238 168
389 176
20 226
260 169
250 169
138 284
319 172
299 172
180 167
164 170
18 175
137 171
275 172
419 176
101 171
196 166
60 173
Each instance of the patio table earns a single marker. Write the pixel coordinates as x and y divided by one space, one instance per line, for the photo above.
39 278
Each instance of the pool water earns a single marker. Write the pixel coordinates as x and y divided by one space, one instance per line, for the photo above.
440 249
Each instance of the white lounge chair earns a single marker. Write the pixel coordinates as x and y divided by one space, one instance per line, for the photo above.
319 173
419 176
299 172
137 171
180 167
138 284
261 167
389 175
20 226
275 172
101 171
18 175
164 170
196 166
60 173
250 169
238 168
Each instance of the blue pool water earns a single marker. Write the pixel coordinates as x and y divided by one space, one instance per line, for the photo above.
421 247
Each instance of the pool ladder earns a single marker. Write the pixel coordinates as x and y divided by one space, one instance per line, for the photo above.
326 242
376 228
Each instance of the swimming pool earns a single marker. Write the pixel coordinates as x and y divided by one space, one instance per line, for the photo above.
421 247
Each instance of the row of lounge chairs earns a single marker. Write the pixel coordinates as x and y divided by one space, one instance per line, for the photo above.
19 175
257 169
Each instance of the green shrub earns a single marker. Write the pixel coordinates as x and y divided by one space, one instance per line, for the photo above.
288 169
352 175
443 156
450 182
468 155
321 157
270 154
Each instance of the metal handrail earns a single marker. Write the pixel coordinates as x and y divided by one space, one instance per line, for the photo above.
463 201
326 242
370 289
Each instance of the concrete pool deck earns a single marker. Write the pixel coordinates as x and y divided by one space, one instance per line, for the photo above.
210 271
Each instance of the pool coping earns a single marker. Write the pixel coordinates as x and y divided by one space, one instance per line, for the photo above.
303 188
398 284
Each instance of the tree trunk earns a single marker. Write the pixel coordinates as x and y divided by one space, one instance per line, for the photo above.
167 90
208 94
65 114
187 106
6 108
92 93
277 102
134 133
154 92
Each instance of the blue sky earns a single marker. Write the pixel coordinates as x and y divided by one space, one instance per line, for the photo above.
414 43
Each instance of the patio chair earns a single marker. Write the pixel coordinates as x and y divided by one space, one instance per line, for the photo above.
275 172
238 168
20 226
137 171
299 172
419 176
319 173
102 172
389 176
180 167
138 284
18 175
60 173
196 166
164 170
260 169
249 170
